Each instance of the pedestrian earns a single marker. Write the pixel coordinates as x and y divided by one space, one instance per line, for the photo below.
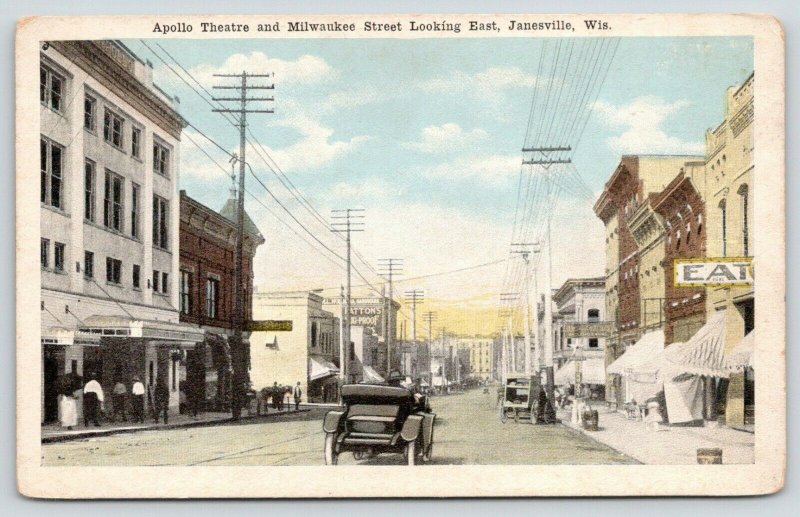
92 402
68 403
298 394
118 396
275 395
161 396
137 391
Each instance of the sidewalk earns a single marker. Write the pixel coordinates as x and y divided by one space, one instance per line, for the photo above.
668 446
55 433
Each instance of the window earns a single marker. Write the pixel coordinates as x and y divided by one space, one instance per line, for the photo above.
51 88
58 256
88 264
136 142
313 334
164 282
112 129
44 255
688 232
137 275
113 271
174 374
52 174
594 315
135 210
114 189
212 289
89 188
160 159
699 223
724 219
160 234
89 112
156 281
186 292
593 342
743 204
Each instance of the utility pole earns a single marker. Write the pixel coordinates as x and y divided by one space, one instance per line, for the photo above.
390 267
524 250
342 363
414 297
445 360
509 298
240 356
430 316
548 324
347 221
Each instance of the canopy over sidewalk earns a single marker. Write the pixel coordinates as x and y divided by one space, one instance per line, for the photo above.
704 353
320 368
643 358
592 370
741 356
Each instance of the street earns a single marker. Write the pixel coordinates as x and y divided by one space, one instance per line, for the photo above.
468 431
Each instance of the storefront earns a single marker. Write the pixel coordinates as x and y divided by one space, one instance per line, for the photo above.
62 366
323 384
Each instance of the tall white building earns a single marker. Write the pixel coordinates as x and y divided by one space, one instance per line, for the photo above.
109 221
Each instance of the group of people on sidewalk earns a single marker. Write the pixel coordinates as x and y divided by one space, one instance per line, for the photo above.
94 401
279 397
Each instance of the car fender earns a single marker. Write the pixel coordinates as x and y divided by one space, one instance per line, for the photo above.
411 428
332 420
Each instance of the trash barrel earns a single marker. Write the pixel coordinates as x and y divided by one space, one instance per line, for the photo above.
709 456
590 420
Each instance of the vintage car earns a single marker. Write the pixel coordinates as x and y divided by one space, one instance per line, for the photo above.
518 398
378 419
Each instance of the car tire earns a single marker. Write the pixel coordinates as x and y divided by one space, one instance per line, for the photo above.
331 457
428 455
503 415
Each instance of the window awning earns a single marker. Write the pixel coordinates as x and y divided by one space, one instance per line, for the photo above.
371 376
643 358
173 333
593 371
741 356
62 336
320 368
704 353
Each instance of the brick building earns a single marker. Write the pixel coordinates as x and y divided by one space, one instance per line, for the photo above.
206 292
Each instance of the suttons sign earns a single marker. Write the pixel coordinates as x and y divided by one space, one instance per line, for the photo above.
724 271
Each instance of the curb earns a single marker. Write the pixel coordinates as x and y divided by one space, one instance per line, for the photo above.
591 436
185 425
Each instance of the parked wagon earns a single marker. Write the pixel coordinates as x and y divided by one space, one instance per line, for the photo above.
518 398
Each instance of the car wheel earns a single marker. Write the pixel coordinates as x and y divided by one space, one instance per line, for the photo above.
331 458
503 415
358 455
410 452
516 416
428 455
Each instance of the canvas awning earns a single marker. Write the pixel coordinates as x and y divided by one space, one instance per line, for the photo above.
643 358
741 356
170 332
593 371
320 368
370 375
704 353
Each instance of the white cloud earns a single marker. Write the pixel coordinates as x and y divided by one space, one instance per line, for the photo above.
640 124
368 190
353 98
314 148
488 85
306 69
493 169
446 138
196 165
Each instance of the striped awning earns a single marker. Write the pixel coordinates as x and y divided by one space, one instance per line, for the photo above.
741 356
703 353
643 358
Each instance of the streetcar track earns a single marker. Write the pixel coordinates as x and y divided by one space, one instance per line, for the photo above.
253 449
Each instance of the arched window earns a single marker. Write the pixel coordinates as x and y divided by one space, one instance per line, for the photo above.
744 200
723 212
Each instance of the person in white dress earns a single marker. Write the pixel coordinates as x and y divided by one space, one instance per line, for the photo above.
68 408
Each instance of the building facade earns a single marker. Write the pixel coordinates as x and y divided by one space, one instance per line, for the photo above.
308 354
729 209
206 293
481 356
109 222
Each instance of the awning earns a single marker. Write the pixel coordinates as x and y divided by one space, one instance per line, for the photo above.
593 371
62 336
704 353
371 376
643 358
741 356
320 368
177 334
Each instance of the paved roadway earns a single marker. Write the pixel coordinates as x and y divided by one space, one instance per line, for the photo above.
468 431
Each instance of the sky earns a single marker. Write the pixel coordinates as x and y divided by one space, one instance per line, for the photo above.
426 136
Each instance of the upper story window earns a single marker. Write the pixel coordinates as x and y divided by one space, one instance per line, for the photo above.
51 88
593 342
44 253
88 264
113 126
744 195
89 190
212 291
59 251
89 112
160 220
113 271
593 316
186 292
135 196
723 212
160 159
51 155
136 142
113 202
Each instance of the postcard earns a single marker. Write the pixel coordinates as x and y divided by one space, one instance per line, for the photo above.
400 256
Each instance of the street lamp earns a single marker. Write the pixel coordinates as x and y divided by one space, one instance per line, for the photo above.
577 357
